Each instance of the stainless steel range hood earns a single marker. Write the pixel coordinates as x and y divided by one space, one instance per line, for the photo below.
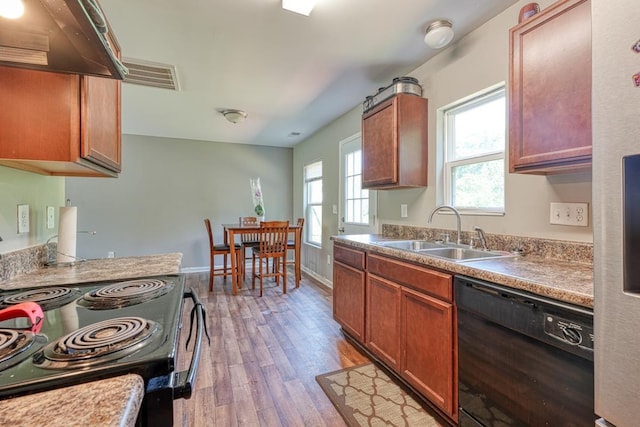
69 36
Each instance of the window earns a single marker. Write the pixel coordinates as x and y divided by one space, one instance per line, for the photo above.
313 201
474 145
356 198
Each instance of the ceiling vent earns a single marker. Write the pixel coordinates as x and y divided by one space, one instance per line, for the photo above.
154 74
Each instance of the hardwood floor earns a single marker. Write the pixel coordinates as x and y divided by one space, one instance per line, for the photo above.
265 353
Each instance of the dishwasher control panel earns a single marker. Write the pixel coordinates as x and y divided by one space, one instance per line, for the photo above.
569 331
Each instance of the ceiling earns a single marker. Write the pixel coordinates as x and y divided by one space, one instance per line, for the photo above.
289 72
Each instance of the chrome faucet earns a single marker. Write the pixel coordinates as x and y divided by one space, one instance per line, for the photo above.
483 240
454 210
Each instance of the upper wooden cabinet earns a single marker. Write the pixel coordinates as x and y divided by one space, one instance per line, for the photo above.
394 143
59 124
550 91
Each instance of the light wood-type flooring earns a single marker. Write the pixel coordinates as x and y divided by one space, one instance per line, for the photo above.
265 353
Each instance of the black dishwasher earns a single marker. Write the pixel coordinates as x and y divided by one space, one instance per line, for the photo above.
523 360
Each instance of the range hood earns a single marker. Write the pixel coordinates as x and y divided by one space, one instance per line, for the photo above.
69 36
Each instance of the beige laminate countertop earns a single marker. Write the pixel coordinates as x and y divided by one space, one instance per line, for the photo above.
560 280
95 270
111 402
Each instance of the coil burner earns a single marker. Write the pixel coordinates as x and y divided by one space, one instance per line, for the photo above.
97 343
15 346
47 298
124 294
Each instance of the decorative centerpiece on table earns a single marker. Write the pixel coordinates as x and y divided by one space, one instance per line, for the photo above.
256 194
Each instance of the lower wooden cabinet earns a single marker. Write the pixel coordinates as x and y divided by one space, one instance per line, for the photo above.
428 350
410 320
349 290
404 315
383 320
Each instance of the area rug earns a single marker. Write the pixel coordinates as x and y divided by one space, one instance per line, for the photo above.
366 396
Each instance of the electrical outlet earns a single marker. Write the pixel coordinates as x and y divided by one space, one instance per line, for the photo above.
23 219
403 211
111 254
575 214
51 217
328 259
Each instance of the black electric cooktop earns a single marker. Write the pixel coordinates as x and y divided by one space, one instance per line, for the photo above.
91 331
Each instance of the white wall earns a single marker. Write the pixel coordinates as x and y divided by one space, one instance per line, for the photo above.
167 188
38 191
474 63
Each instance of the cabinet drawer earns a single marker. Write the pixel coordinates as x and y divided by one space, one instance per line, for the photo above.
352 257
419 278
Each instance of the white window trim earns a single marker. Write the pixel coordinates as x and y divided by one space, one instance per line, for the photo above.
307 206
446 149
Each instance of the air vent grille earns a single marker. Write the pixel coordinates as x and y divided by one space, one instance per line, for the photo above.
147 73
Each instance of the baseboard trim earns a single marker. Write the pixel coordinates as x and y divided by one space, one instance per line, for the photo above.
323 280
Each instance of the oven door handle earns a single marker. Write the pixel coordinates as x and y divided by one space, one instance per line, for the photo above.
185 381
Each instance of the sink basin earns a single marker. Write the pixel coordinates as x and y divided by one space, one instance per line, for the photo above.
411 245
464 254
449 251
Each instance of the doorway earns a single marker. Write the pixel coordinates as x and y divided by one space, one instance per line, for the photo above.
357 208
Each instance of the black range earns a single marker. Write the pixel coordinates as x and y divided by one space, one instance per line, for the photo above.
100 330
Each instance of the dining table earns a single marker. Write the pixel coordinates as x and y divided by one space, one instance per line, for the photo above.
234 229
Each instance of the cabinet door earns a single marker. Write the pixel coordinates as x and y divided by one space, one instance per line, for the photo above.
101 134
428 356
349 299
394 143
39 115
550 90
383 320
380 146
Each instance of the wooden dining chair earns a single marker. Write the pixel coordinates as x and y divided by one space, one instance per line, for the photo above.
273 246
219 250
248 240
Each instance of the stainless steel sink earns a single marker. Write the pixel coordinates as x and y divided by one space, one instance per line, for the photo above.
411 245
449 251
465 254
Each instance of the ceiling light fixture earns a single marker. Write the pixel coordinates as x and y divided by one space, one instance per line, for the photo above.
303 7
234 116
439 34
11 9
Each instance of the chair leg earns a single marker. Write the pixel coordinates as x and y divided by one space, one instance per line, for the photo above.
284 273
262 274
224 259
253 271
212 266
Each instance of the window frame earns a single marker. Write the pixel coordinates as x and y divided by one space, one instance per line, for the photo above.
308 207
480 98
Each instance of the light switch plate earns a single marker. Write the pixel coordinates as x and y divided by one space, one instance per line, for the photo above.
575 214
51 217
23 219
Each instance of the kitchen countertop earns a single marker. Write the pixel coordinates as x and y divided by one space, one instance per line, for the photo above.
111 402
94 270
118 398
561 280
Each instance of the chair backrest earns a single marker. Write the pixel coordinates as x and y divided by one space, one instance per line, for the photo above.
273 237
207 224
246 220
249 237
